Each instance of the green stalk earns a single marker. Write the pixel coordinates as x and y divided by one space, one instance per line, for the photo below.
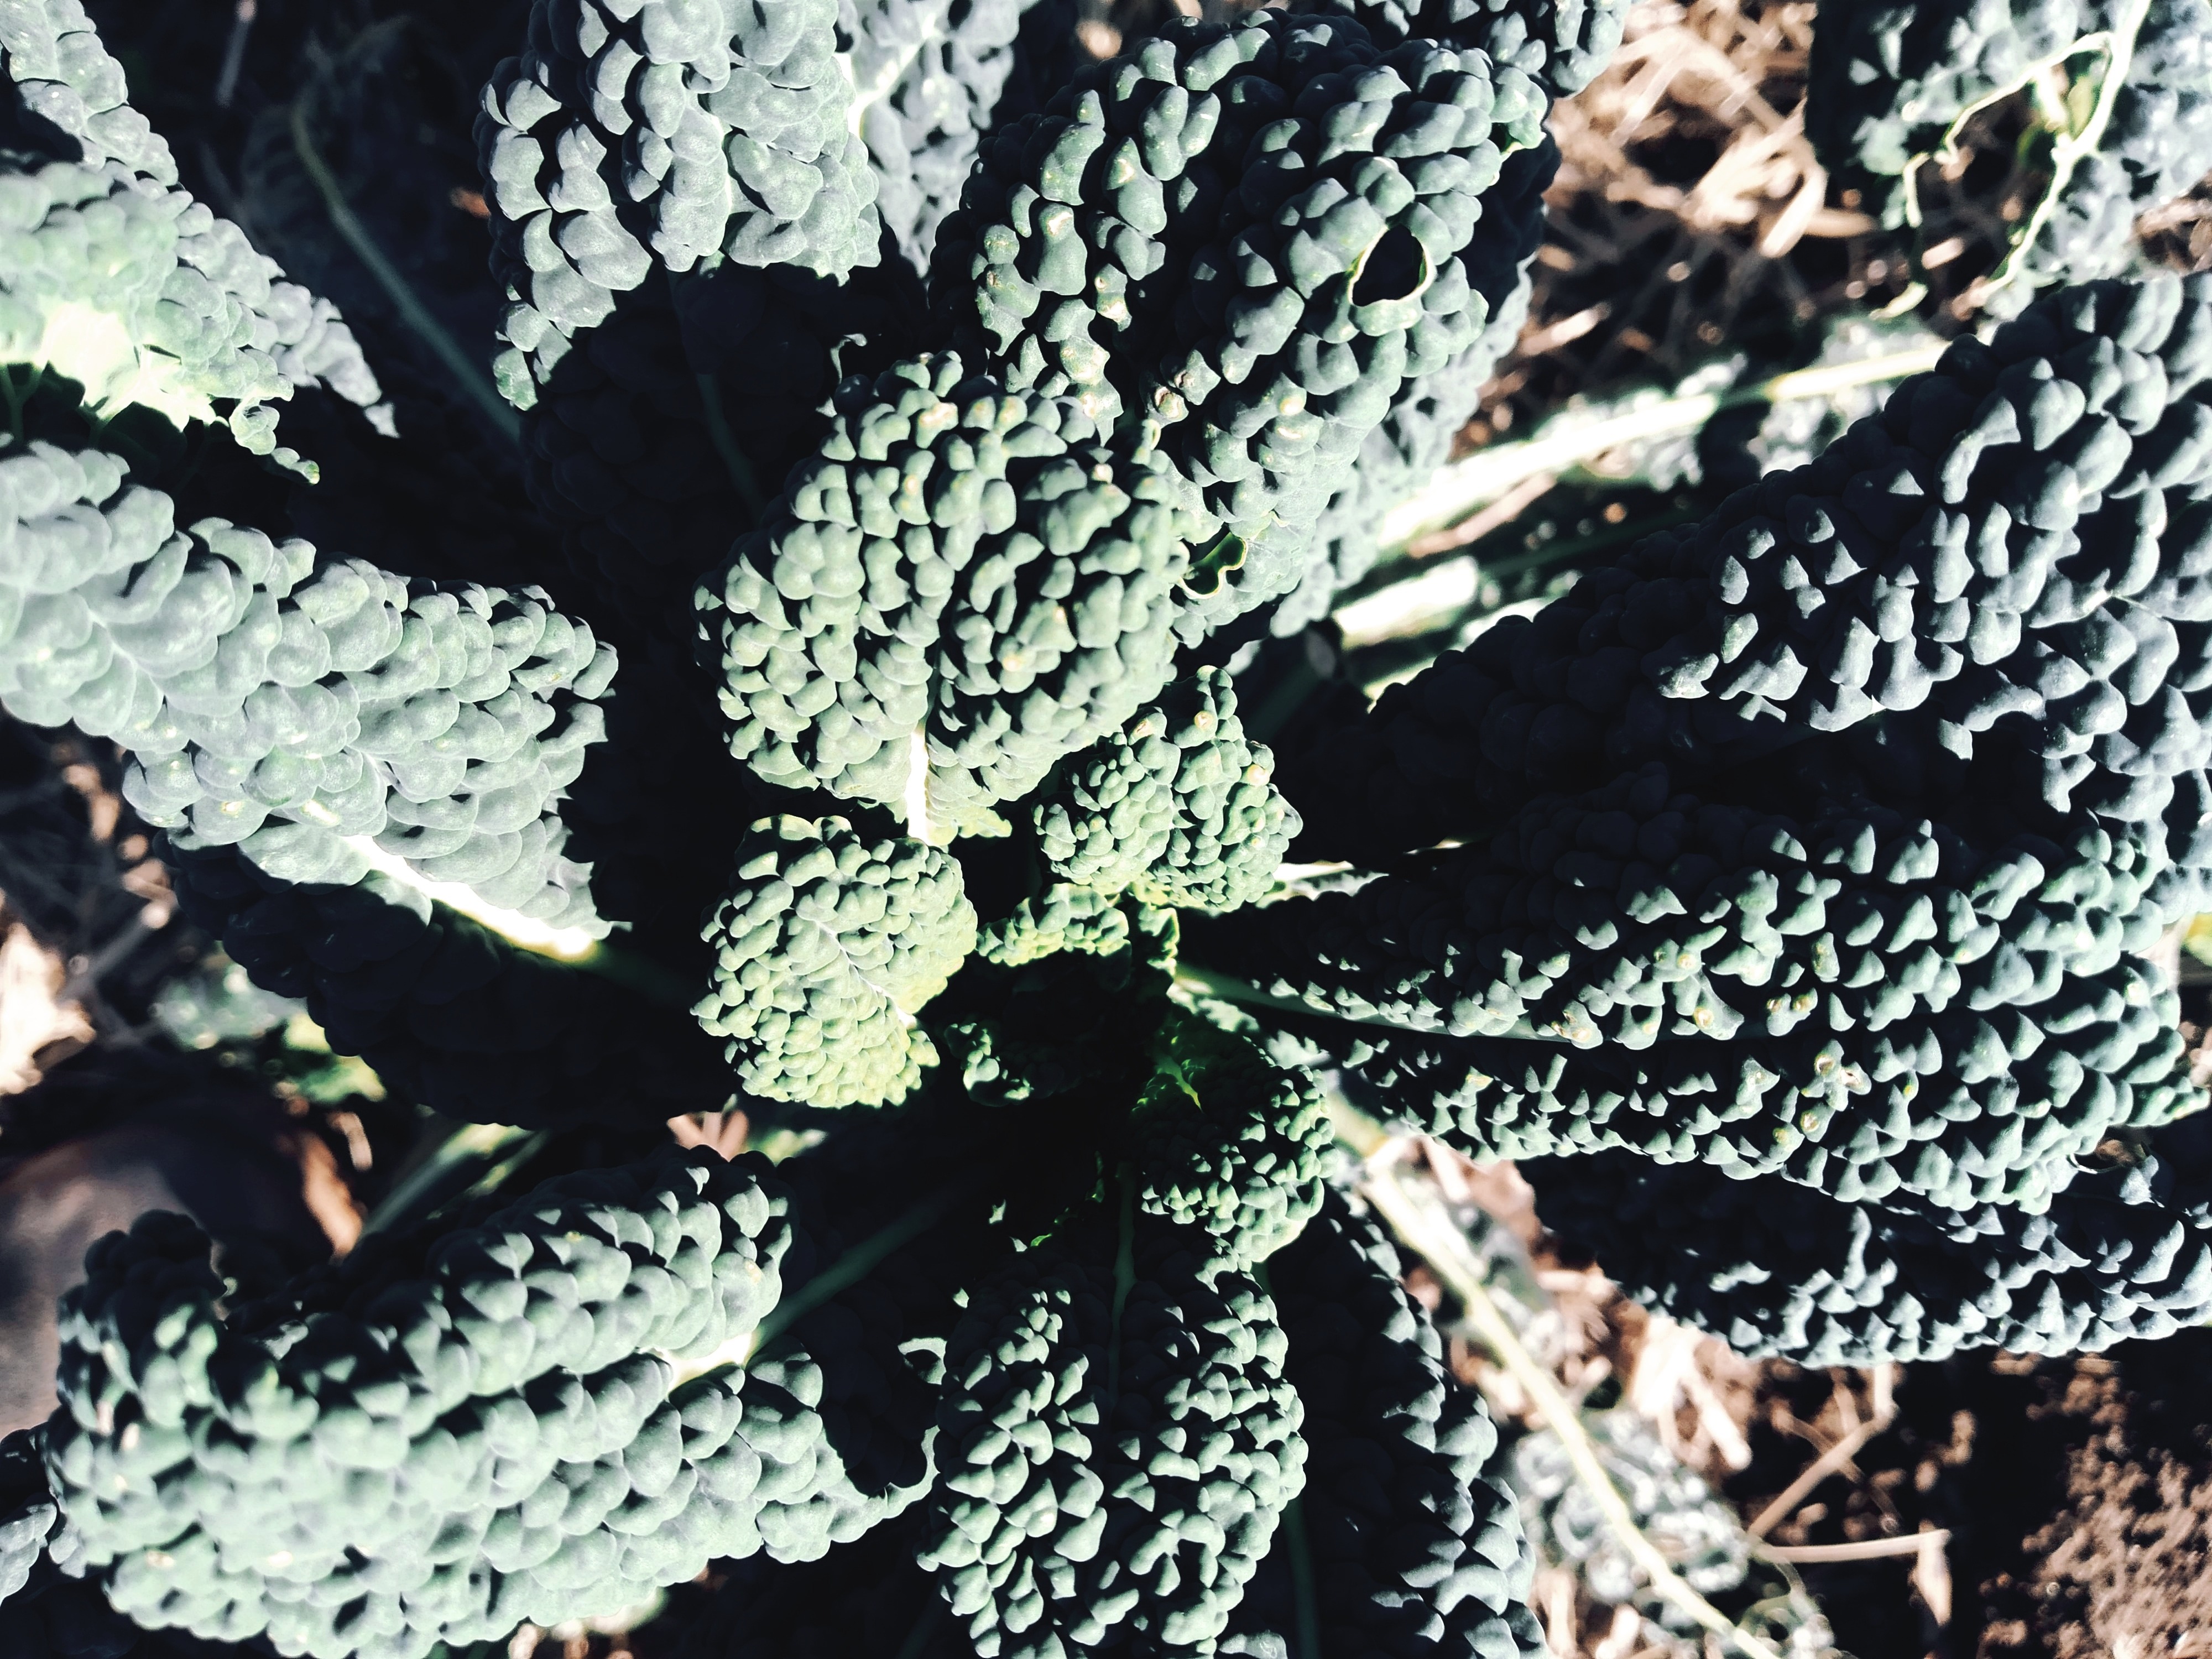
1305 1606
1570 548
726 445
917 1641
475 1155
469 376
17 396
1124 1280
1267 719
1208 982
863 1258
633 972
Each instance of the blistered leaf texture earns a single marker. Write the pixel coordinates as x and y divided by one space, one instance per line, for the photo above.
824 949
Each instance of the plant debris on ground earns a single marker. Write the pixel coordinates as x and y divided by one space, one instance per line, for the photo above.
1706 303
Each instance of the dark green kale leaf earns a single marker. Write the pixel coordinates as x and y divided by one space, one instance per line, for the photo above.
823 951
1117 1442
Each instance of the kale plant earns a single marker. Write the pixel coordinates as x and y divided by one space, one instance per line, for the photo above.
797 664
2119 95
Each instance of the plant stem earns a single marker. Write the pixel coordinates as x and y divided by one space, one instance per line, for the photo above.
1421 1222
18 396
925 1629
1207 981
1305 1608
1124 1280
525 933
637 973
468 376
1478 479
571 947
473 1154
863 1258
233 53
726 445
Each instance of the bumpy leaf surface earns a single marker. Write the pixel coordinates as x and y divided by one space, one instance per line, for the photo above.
1246 238
631 138
289 703
2003 565
1177 807
1117 1448
823 951
961 581
1562 44
1410 1540
1887 80
1223 1139
432 1440
2121 1253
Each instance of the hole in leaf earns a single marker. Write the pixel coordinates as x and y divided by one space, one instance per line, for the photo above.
1211 569
1391 270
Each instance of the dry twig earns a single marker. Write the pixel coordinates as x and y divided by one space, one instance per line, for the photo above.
1421 1222
1866 1549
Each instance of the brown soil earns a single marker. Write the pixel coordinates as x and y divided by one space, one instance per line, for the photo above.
2125 1567
1688 219
2076 1493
